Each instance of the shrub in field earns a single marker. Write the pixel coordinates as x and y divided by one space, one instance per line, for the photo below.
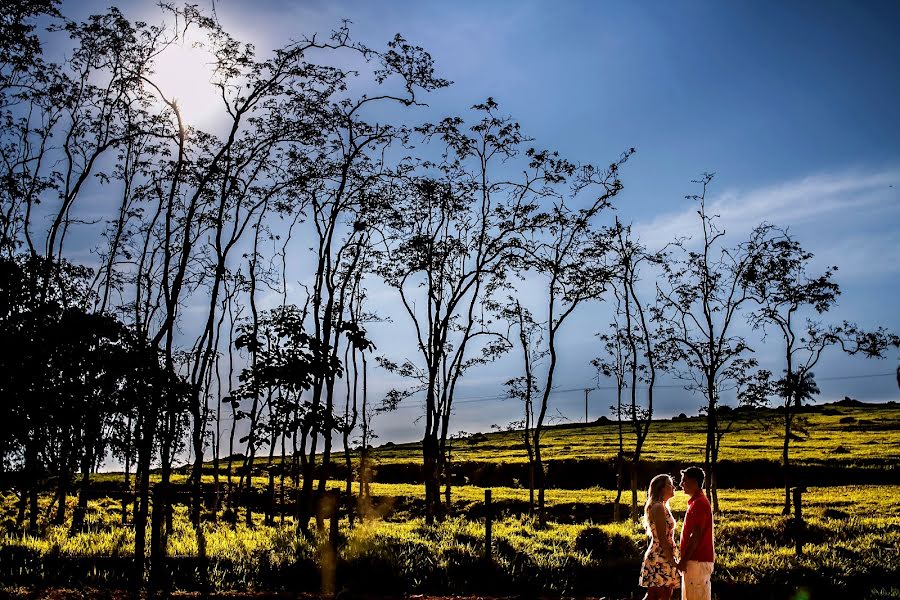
774 532
388 559
833 513
601 545
464 569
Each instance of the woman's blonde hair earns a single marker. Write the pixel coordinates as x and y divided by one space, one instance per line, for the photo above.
655 494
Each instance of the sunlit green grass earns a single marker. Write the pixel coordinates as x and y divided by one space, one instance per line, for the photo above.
874 433
852 539
840 436
752 539
867 507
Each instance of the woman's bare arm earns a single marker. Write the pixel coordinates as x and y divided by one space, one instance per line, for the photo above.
658 514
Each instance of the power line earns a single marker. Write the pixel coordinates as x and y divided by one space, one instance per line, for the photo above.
855 376
479 399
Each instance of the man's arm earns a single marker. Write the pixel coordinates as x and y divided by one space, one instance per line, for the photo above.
693 541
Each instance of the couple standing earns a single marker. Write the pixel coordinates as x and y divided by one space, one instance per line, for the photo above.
660 572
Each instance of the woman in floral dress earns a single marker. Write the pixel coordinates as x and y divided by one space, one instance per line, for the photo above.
658 572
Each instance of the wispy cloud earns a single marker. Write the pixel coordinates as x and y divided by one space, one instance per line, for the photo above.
848 218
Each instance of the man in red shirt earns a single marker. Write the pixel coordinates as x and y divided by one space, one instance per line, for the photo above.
697 555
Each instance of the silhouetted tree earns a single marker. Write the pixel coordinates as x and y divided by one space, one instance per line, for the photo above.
642 344
345 167
568 248
294 135
614 363
787 293
93 371
452 235
706 287
526 332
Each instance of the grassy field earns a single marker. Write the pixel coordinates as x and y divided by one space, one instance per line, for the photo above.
852 540
838 445
835 432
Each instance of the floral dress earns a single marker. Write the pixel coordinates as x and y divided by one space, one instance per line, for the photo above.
656 571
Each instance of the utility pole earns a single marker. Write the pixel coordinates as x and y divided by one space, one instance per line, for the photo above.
586 390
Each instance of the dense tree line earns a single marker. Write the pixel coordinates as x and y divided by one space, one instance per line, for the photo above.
169 345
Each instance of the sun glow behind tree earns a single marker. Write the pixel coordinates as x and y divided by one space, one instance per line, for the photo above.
183 73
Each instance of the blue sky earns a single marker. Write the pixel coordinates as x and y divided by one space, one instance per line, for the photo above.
794 105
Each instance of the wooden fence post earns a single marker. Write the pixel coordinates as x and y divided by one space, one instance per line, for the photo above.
351 509
270 504
487 524
246 496
335 520
216 494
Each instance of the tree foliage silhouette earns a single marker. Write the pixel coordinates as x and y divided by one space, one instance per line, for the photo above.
789 299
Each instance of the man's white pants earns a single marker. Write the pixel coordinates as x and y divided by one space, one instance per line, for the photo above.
695 582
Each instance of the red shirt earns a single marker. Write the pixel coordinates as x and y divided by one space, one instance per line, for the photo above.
699 514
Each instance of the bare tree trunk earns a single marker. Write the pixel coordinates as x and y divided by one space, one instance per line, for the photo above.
445 467
620 458
364 474
635 515
168 458
254 416
62 494
64 477
711 428
349 425
30 482
145 450
304 503
302 507
431 475
81 508
281 482
541 483
230 460
620 486
785 458
128 446
539 425
327 440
